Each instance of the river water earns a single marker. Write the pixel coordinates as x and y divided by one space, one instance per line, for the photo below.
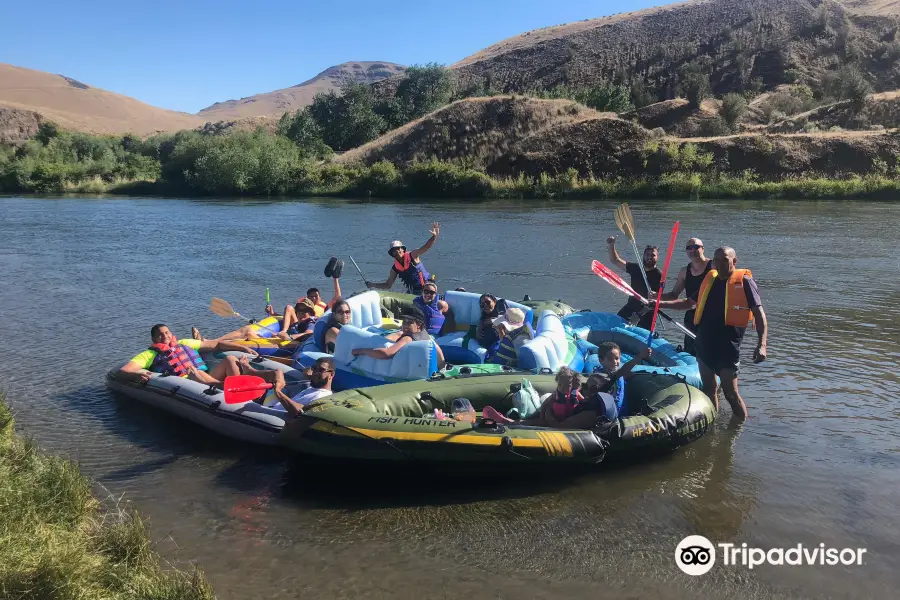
84 278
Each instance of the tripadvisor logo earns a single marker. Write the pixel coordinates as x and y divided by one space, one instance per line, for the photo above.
696 555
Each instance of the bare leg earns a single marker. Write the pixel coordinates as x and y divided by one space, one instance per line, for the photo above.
730 389
227 367
710 386
290 317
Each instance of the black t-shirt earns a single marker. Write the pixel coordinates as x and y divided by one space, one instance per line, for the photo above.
712 333
654 276
693 282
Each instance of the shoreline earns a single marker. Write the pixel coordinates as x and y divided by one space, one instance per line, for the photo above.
57 539
445 181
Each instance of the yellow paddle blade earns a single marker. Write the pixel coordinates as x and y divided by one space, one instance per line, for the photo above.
624 221
221 308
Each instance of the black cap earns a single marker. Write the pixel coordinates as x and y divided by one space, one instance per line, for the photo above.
415 315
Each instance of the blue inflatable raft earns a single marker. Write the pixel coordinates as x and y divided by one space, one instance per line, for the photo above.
592 328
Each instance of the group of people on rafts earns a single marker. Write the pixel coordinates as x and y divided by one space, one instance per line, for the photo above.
721 301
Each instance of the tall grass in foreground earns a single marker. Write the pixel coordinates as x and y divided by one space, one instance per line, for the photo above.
57 542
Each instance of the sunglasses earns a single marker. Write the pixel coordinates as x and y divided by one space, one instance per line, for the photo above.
428 292
321 370
343 312
693 247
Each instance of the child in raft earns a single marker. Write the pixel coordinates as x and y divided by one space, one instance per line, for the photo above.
615 374
603 397
556 407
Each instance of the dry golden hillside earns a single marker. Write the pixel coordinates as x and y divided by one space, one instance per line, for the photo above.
275 104
74 105
510 136
503 133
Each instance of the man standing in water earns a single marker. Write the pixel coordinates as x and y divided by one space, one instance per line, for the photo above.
408 265
727 303
654 275
689 280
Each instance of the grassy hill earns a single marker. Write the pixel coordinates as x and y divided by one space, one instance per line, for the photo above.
508 136
274 104
78 106
740 44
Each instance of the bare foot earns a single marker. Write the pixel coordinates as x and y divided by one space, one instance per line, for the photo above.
244 364
195 333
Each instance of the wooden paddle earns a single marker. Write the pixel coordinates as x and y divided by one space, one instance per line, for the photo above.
625 223
244 388
223 309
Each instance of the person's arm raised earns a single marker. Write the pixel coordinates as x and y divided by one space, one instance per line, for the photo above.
614 257
625 370
435 231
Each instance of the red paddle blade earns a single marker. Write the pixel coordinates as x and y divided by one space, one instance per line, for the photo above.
613 279
244 388
662 281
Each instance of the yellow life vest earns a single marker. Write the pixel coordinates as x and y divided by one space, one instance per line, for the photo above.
737 311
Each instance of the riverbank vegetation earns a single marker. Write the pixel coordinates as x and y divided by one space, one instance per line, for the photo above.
561 142
260 163
58 542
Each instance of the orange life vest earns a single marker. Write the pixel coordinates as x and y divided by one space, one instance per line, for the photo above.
737 312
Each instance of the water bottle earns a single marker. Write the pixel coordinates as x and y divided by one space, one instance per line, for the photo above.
463 410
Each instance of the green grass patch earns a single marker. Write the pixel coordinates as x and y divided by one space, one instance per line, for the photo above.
58 542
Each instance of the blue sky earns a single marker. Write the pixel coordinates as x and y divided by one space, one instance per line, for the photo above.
187 55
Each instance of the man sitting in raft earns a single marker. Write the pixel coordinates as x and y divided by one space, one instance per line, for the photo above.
435 310
689 280
634 307
181 357
727 303
408 265
320 378
412 329
513 334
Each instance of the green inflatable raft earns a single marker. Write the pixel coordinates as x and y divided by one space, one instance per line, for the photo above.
395 423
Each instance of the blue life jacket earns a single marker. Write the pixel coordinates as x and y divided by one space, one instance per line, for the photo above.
434 318
617 390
